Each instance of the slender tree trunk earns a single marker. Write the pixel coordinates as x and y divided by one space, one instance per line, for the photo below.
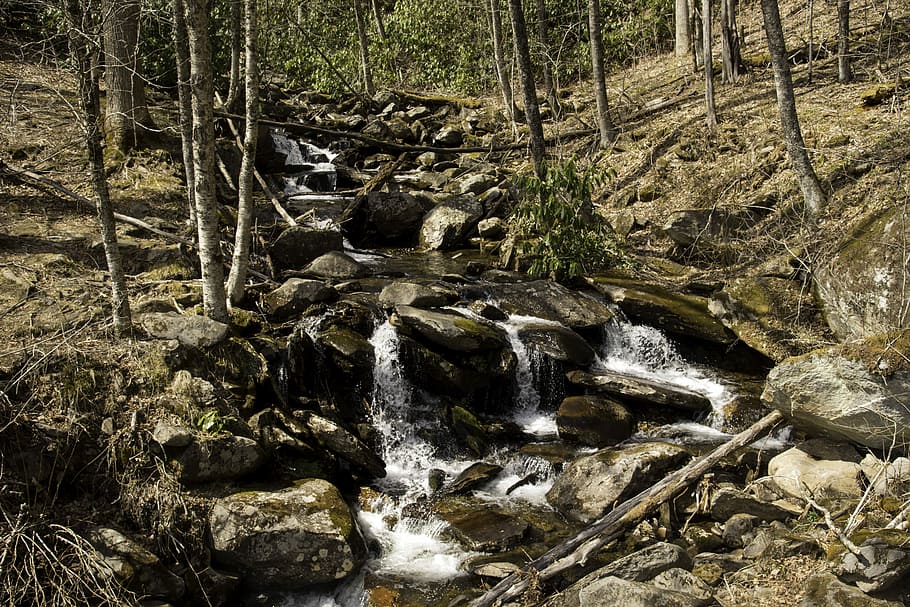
786 103
234 99
128 120
364 49
698 45
711 113
210 257
528 89
683 28
810 25
604 124
844 71
377 15
185 103
730 47
549 82
243 235
499 62
90 105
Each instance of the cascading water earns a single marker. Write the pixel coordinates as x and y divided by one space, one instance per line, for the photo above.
527 413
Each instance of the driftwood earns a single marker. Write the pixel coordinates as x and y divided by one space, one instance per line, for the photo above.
262 184
576 550
374 184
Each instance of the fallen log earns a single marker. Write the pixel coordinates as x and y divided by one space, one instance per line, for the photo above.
576 550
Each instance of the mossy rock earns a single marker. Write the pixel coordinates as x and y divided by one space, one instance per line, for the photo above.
469 431
877 94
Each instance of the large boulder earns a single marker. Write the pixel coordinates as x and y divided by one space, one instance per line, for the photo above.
448 224
557 342
862 286
299 245
335 439
882 563
595 421
818 468
708 230
296 295
845 393
824 590
618 592
385 218
414 294
592 484
449 329
551 301
134 567
645 564
650 391
336 264
289 539
190 330
219 458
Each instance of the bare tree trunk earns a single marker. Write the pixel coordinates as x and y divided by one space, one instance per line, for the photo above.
844 71
364 49
377 15
243 236
210 257
683 28
528 89
786 103
546 61
90 104
810 24
730 46
128 120
698 45
711 113
185 103
604 124
234 84
499 62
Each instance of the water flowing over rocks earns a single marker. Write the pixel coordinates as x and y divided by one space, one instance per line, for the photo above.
449 329
551 301
287 539
828 393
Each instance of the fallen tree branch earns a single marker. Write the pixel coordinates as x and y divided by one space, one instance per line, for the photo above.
577 549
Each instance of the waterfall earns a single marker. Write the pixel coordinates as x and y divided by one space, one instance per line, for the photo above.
530 370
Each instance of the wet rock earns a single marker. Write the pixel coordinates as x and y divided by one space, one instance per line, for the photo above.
296 295
823 589
678 313
449 223
219 458
437 374
335 439
595 421
414 294
276 151
551 301
336 264
289 539
472 477
557 342
884 560
299 245
449 329
189 330
134 567
590 485
469 431
488 311
828 471
862 286
827 393
639 389
487 529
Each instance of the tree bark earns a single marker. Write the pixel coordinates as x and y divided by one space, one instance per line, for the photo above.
377 15
234 99
185 103
499 61
683 28
604 124
844 71
710 112
243 235
364 49
730 45
786 102
90 104
210 257
128 120
546 62
528 89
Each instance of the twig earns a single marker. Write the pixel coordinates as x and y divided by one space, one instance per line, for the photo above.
829 521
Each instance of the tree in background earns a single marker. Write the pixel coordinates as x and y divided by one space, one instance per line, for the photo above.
499 61
844 71
546 59
528 88
209 239
604 124
368 85
683 28
79 30
786 103
185 102
128 120
707 57
234 97
243 235
730 44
